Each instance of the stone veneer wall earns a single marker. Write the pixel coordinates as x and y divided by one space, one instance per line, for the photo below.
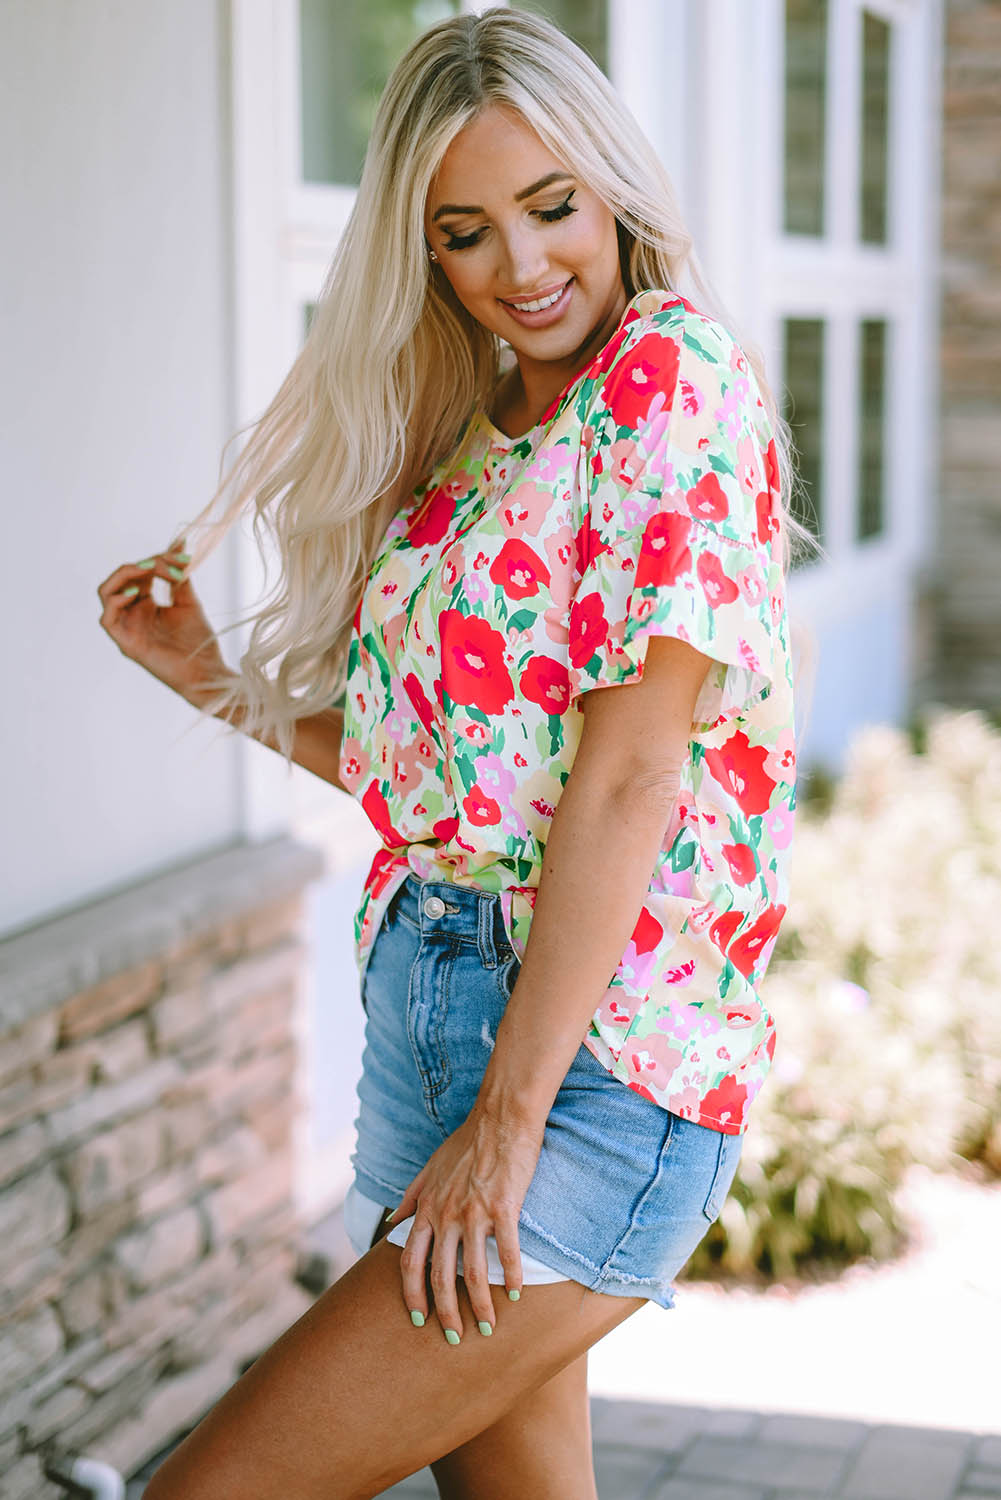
969 654
147 1230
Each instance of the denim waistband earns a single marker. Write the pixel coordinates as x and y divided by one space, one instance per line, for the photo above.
438 907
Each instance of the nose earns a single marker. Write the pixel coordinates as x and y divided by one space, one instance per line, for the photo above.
522 261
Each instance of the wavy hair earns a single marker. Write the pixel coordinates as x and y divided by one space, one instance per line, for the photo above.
393 365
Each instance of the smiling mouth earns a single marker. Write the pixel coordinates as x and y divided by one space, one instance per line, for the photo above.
537 304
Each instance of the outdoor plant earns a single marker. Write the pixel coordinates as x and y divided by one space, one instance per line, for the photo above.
885 991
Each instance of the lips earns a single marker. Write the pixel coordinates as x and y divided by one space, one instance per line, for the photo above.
543 317
540 296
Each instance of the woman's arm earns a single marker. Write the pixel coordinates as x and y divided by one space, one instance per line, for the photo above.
177 645
608 826
606 832
316 740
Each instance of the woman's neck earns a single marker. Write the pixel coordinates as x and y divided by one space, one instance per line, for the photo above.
531 386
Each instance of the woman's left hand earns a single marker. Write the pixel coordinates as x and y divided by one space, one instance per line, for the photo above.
473 1185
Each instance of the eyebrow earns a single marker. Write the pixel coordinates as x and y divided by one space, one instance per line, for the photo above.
476 208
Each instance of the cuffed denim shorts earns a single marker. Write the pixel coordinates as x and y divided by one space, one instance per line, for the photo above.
623 1189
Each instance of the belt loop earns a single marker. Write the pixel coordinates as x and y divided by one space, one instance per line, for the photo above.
485 929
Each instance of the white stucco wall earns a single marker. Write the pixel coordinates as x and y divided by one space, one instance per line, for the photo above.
115 264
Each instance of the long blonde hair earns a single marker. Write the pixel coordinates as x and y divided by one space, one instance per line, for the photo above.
393 365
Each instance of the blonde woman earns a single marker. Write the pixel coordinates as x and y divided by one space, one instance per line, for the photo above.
513 470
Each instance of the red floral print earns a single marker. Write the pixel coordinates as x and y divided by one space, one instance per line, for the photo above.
664 555
651 366
431 520
644 503
718 588
519 570
472 657
706 500
588 629
739 766
547 683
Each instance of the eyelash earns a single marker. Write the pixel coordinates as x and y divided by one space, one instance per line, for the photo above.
548 216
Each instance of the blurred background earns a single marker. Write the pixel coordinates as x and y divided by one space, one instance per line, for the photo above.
180 1027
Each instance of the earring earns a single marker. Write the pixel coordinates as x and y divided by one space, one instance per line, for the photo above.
433 254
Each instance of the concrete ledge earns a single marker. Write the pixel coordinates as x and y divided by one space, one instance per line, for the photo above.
47 964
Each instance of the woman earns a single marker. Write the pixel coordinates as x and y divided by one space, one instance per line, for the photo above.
561 1046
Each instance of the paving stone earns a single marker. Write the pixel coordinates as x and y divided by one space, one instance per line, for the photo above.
983 1481
988 1452
781 1465
733 1424
678 1488
899 1463
646 1424
814 1432
420 1484
625 1473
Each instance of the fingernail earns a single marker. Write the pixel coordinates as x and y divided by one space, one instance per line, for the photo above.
485 1329
175 572
182 556
127 593
513 1293
147 562
417 1317
451 1335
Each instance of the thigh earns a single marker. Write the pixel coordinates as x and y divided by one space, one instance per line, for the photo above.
540 1446
352 1398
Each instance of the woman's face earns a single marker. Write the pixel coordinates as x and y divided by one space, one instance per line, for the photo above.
513 227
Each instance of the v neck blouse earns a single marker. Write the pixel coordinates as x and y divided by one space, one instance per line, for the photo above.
526 571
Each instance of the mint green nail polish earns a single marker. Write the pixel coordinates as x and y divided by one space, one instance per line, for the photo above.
513 1293
175 572
451 1335
184 557
417 1317
147 562
485 1329
127 593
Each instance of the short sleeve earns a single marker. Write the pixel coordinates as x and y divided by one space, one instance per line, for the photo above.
681 492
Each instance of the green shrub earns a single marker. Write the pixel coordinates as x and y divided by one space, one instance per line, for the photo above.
885 995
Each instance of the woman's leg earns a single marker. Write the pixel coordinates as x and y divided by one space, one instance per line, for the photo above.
354 1397
540 1447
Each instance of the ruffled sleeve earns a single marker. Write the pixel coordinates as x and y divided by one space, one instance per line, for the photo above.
682 494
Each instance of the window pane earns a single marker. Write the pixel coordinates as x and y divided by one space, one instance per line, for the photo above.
872 386
803 408
875 127
805 97
348 51
584 20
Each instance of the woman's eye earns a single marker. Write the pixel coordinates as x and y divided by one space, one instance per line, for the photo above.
462 241
550 215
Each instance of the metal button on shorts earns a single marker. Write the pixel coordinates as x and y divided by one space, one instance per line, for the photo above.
434 907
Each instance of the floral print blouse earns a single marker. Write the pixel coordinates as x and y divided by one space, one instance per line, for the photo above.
526 571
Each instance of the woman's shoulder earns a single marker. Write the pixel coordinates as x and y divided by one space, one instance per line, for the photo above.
665 349
659 329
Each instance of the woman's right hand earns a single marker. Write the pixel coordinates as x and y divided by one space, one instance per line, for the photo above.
174 641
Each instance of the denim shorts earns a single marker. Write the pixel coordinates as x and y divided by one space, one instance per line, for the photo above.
623 1189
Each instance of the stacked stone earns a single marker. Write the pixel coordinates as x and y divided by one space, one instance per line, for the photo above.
970 623
147 1231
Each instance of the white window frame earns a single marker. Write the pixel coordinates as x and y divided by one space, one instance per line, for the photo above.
725 86
842 281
